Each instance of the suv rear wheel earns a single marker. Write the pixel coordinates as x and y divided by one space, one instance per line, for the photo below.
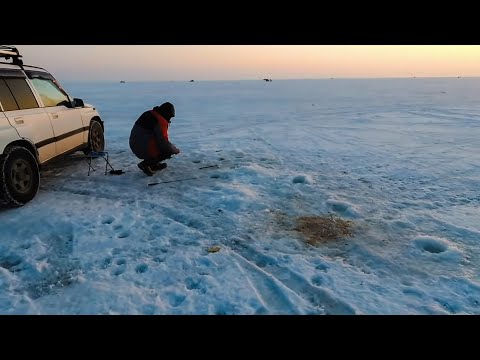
19 176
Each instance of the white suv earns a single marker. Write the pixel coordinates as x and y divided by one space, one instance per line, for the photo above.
39 121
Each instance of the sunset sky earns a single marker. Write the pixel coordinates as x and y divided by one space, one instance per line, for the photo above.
250 62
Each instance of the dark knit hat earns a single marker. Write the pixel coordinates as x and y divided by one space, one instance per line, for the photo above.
167 110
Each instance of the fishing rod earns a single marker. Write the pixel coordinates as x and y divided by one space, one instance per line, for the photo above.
170 181
209 166
192 178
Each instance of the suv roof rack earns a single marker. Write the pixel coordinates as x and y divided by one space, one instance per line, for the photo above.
8 52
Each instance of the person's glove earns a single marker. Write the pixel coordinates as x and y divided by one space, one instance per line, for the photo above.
175 150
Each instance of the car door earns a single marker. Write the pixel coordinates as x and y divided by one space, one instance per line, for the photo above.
66 120
24 113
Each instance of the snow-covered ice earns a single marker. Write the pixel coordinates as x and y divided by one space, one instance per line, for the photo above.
399 158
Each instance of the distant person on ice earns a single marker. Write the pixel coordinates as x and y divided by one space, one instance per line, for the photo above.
149 138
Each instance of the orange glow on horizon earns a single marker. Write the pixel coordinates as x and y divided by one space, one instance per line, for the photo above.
245 62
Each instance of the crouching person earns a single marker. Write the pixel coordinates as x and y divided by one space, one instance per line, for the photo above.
149 138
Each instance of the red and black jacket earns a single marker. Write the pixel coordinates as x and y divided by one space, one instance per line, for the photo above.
155 123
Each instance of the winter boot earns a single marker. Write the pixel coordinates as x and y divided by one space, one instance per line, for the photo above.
145 168
158 166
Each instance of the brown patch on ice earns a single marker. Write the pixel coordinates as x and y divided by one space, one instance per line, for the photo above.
319 229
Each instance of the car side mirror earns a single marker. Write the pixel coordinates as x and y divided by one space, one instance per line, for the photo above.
78 102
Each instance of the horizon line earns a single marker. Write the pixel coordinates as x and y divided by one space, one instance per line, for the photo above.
286 79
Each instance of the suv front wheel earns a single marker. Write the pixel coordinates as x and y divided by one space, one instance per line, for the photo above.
96 139
19 176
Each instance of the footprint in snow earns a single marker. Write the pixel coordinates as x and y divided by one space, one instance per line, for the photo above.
108 220
118 271
431 244
123 234
141 268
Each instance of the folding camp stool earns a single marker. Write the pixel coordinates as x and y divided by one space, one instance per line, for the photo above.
95 155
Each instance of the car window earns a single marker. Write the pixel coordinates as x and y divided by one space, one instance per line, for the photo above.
49 92
22 93
6 97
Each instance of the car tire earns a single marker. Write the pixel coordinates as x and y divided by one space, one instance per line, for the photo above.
19 176
96 138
